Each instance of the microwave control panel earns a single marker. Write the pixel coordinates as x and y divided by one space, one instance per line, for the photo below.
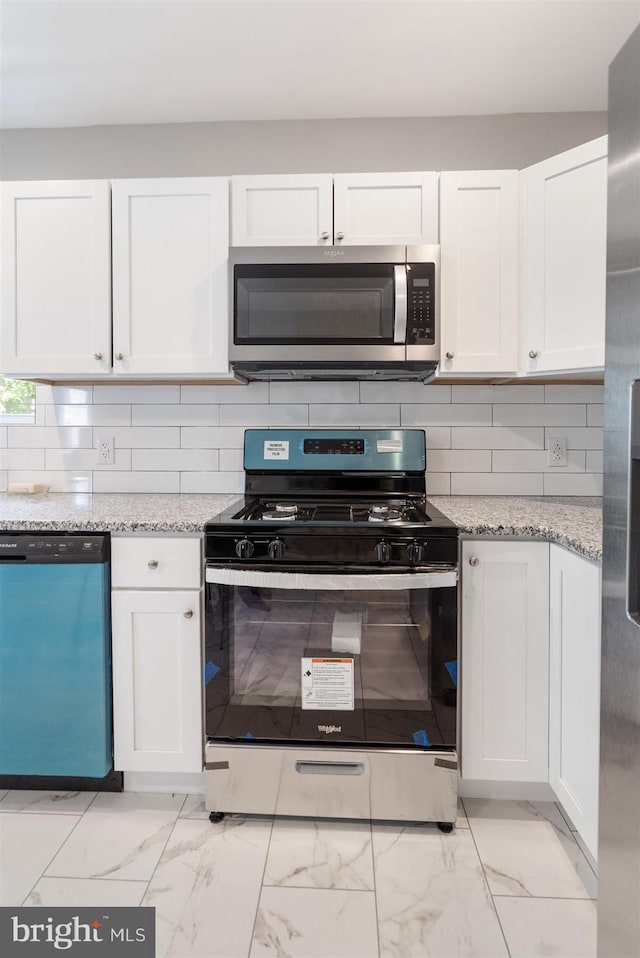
421 304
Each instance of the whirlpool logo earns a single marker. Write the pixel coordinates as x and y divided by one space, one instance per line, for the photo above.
47 931
329 728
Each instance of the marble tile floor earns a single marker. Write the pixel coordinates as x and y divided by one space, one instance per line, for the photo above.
510 880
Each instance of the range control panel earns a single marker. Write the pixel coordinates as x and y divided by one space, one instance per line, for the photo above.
421 304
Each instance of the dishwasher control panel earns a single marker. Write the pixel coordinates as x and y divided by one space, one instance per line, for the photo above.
53 547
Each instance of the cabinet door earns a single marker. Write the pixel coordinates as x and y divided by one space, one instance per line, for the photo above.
574 713
385 208
564 240
282 210
170 251
479 271
505 661
157 681
56 278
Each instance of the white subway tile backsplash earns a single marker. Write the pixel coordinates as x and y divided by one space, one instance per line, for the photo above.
182 460
497 437
85 459
522 460
386 392
439 414
543 414
214 437
136 481
481 439
498 394
264 416
212 482
175 415
587 484
587 438
231 460
360 414
136 394
111 415
50 437
459 460
595 415
230 394
573 394
314 392
144 437
438 483
3 481
496 484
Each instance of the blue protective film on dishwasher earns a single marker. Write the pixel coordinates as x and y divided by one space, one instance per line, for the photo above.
249 735
209 671
452 669
420 737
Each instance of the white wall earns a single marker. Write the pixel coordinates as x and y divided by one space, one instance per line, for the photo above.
480 439
303 146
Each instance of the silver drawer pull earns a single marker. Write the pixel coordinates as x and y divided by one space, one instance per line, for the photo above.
188 614
449 355
474 560
97 355
533 354
152 563
330 768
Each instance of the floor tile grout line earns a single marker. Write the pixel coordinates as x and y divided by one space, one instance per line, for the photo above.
262 885
484 874
164 847
57 851
546 898
375 886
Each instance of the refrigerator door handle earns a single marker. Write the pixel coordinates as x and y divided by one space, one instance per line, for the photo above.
633 537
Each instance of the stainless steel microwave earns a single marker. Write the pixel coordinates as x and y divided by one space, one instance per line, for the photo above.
349 312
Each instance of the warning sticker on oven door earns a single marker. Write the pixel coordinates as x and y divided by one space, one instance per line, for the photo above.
276 449
327 684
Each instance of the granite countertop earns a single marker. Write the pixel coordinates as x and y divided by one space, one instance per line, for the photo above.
574 522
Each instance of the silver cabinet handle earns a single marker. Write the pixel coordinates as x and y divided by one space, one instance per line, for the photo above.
188 614
120 356
97 355
324 234
152 563
339 235
533 354
473 560
449 355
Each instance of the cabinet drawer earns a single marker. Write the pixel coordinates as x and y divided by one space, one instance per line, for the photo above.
143 562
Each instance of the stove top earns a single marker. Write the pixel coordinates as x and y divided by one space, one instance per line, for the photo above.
341 511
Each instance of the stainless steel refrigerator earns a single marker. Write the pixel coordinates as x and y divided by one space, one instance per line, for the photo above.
619 843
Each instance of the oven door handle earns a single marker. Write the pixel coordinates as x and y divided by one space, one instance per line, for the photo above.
369 582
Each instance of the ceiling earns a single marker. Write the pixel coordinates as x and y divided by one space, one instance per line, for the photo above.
68 63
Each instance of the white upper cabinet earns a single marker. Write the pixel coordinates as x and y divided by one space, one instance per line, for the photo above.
563 264
343 209
385 208
295 210
479 272
170 248
56 278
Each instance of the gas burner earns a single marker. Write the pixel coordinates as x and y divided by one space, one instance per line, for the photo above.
381 513
281 510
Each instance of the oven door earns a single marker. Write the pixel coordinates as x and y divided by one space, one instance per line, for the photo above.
320 311
347 659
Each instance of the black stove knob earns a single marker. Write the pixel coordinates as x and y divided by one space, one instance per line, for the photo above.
415 552
382 551
276 549
244 549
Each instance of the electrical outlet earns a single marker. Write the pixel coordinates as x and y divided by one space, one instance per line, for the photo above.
106 455
557 451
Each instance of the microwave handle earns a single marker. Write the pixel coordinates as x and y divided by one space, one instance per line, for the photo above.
400 322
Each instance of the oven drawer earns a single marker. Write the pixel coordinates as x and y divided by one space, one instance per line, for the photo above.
155 562
401 785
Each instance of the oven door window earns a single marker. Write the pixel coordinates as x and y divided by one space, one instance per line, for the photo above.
376 667
314 304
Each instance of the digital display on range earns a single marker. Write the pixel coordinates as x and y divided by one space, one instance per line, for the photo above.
334 447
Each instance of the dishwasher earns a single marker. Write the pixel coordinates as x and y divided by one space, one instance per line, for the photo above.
56 729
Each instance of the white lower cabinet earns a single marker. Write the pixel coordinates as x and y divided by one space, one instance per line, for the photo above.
574 689
505 661
157 670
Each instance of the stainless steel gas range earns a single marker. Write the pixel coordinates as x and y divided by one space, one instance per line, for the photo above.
331 633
